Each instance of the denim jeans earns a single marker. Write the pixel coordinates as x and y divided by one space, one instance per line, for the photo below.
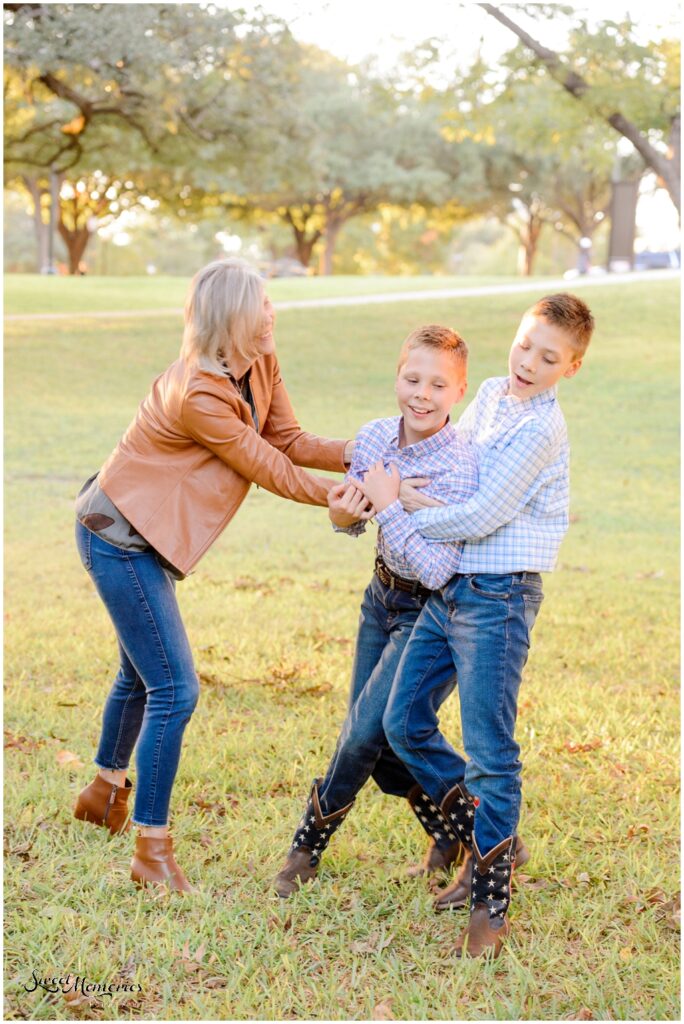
479 623
156 689
385 624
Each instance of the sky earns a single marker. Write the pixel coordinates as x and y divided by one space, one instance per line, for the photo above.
354 29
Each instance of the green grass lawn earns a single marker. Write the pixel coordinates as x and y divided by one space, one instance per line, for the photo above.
271 613
32 293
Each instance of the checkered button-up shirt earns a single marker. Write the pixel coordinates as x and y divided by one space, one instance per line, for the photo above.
519 515
449 461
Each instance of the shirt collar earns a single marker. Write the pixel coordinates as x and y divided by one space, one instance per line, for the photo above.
525 404
429 444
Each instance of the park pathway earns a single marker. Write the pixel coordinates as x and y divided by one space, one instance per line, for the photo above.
545 286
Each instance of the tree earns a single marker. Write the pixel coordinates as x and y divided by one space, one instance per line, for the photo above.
562 163
342 144
71 68
130 92
633 87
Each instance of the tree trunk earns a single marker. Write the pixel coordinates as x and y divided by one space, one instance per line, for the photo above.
332 230
304 243
76 242
42 230
304 246
531 244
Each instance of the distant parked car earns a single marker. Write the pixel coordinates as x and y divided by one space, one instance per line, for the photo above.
648 260
286 266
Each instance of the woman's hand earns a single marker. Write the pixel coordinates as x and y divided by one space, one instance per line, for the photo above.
381 488
348 452
347 505
412 499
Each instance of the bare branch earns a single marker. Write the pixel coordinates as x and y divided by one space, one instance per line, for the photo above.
580 89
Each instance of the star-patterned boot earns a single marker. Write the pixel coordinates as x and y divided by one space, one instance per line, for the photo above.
458 808
445 847
310 840
455 896
490 898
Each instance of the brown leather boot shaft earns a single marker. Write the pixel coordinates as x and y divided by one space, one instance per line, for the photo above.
480 938
456 895
153 863
437 858
296 870
102 803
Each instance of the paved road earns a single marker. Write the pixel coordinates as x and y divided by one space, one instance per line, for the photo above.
545 287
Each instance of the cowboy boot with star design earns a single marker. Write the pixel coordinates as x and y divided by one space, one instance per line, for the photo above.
455 895
310 840
445 847
490 898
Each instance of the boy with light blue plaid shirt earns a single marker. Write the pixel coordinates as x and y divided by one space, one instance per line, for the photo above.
479 623
431 378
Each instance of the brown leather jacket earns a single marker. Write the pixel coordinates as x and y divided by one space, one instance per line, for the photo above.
185 464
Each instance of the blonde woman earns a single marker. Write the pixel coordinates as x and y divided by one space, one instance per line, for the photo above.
218 419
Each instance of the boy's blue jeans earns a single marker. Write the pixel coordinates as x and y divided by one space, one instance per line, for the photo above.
156 689
479 623
385 624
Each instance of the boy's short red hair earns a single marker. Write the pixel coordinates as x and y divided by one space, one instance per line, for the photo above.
571 314
435 336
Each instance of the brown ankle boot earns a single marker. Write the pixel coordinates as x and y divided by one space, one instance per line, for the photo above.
153 863
296 870
103 803
456 895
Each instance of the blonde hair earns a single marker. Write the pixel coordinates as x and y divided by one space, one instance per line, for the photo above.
224 313
435 336
569 313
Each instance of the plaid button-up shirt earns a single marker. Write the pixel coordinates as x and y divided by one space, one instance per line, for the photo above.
450 463
519 515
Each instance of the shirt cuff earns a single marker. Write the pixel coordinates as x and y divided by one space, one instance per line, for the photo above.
355 530
389 514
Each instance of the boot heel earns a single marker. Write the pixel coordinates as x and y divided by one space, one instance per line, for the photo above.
102 803
84 813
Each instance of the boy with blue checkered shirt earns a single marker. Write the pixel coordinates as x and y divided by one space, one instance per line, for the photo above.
431 378
479 623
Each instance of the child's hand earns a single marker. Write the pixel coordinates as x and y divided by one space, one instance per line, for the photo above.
413 499
347 504
380 487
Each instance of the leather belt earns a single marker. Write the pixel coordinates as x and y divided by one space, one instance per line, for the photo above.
394 582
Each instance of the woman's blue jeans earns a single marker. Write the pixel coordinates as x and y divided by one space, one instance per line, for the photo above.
385 624
156 689
480 625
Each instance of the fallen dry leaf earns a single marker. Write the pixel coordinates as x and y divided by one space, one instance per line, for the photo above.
66 758
637 830
26 744
541 883
582 748
583 1014
247 583
383 1011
